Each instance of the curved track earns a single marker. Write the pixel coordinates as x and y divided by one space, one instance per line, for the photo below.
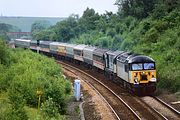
137 109
162 108
118 106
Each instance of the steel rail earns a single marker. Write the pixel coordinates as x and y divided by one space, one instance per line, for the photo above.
135 114
167 105
98 94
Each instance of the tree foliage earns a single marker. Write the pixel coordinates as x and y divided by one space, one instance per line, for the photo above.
27 73
5 28
37 26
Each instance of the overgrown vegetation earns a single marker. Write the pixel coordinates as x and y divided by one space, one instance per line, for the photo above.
22 74
149 27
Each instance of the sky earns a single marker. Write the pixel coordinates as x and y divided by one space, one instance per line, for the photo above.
53 8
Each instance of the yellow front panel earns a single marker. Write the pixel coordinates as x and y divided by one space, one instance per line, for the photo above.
143 76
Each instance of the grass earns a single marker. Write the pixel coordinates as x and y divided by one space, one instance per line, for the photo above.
77 109
32 113
4 105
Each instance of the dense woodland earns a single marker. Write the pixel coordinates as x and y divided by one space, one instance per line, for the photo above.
149 27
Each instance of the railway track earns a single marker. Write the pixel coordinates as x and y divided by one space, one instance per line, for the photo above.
91 86
116 97
118 106
163 108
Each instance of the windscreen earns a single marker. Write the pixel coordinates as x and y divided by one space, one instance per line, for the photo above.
138 66
143 66
149 66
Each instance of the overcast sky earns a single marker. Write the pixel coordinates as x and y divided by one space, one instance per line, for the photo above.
53 8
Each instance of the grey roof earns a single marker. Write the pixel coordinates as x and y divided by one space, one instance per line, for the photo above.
70 45
140 59
99 52
55 43
90 48
80 47
114 53
129 57
45 42
22 40
33 41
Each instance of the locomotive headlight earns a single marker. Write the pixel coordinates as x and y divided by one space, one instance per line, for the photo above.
142 73
152 73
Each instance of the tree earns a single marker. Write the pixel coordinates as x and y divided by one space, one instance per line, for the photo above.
4 28
137 8
46 34
67 29
4 53
88 20
39 25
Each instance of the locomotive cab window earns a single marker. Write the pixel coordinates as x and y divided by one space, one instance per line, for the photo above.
149 66
137 66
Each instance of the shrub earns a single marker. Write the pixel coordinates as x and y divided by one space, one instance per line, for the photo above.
16 111
49 109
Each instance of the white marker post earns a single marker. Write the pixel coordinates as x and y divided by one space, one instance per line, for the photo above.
38 48
77 87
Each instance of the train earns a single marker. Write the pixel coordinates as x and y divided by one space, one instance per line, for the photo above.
135 72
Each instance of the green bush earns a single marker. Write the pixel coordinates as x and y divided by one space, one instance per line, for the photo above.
4 53
49 109
27 73
16 110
